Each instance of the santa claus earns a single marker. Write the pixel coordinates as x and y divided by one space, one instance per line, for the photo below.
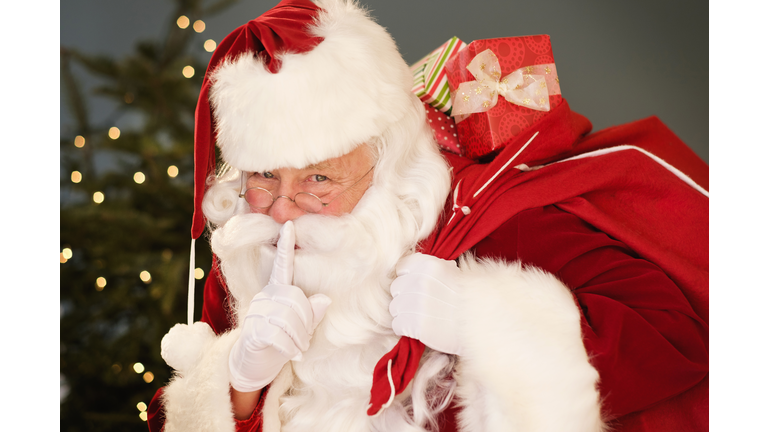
330 183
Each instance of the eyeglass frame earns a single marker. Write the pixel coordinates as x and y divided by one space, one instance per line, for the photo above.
293 200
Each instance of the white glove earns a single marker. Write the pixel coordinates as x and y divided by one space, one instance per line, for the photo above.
425 301
279 323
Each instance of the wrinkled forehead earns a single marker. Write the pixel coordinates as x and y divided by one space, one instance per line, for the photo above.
360 157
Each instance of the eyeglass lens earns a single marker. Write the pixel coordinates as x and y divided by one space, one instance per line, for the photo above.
261 199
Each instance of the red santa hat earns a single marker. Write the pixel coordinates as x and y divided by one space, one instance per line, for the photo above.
302 83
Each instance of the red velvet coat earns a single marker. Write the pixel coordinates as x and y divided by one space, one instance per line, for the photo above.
638 283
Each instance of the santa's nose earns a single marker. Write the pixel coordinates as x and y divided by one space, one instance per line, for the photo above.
284 209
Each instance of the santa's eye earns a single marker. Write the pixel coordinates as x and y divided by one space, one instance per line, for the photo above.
267 174
318 178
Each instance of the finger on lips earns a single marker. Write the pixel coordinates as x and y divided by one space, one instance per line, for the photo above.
285 317
282 268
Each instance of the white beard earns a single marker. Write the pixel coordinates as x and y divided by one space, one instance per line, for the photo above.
350 259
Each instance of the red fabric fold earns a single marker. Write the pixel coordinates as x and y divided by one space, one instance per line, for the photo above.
405 358
626 194
155 412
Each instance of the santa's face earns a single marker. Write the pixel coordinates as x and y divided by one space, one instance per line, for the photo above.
347 256
353 233
331 187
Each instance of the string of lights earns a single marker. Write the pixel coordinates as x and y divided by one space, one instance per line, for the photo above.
125 200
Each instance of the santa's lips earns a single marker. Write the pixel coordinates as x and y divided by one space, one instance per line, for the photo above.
295 247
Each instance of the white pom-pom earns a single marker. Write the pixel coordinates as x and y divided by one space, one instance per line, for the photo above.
183 345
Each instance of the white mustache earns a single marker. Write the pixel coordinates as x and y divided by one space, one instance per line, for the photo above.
314 233
244 231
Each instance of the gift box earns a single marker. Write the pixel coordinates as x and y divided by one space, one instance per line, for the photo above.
431 86
444 129
499 89
429 81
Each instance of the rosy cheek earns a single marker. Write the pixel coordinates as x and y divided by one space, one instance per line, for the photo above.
338 207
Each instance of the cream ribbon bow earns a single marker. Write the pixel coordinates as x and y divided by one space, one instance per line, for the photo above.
527 86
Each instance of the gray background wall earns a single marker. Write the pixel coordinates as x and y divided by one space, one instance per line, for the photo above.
618 61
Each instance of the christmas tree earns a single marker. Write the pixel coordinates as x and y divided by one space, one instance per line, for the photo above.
126 210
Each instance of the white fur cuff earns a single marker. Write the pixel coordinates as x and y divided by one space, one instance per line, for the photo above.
197 398
524 366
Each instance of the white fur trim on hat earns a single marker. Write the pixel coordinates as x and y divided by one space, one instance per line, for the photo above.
321 104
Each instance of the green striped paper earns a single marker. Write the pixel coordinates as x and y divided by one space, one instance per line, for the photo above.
430 82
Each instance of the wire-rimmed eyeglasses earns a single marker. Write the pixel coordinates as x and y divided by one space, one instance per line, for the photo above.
261 199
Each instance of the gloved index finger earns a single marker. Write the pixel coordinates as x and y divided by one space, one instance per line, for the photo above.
282 268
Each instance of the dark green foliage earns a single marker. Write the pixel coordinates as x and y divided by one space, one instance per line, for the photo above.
137 227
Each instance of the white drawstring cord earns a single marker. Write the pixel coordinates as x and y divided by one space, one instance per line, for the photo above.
191 289
505 166
456 206
679 174
465 209
391 389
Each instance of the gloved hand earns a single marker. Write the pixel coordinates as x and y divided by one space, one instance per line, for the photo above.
279 323
425 301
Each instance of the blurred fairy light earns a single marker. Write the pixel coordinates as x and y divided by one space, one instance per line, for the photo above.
188 71
199 26
199 273
77 177
100 283
128 98
167 255
116 368
67 252
143 415
80 141
148 377
114 132
145 276
209 45
173 171
182 22
141 406
98 197
139 177
62 258
138 367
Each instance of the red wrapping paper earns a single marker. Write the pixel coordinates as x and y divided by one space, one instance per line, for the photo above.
444 129
484 134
